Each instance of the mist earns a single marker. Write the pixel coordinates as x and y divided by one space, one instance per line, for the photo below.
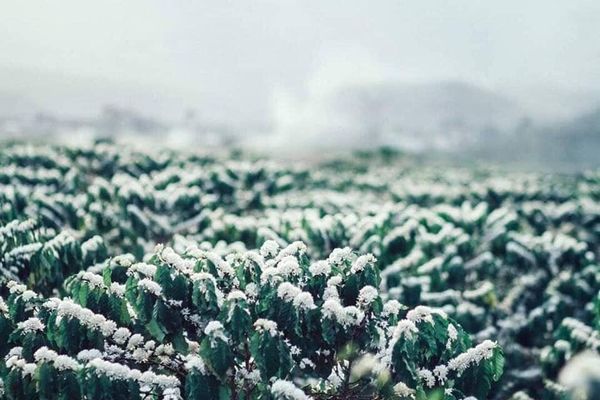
271 71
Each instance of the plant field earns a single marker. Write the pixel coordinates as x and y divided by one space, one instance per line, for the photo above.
151 275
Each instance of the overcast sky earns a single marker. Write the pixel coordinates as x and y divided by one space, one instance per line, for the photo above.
236 56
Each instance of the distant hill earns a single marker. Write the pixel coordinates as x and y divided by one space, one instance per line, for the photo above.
443 115
16 106
575 141
570 144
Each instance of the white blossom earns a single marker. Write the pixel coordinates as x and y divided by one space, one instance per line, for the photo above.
288 266
330 292
251 290
147 270
117 289
402 390
236 295
150 286
31 325
472 356
3 306
28 295
134 341
63 362
391 307
334 280
269 249
193 361
424 313
88 355
452 335
44 354
287 291
367 295
28 369
285 390
405 328
15 287
215 329
94 280
320 268
121 335
427 376
361 262
337 256
346 316
304 301
306 363
266 325
441 373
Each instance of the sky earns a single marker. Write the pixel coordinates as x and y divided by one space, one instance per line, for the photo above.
235 59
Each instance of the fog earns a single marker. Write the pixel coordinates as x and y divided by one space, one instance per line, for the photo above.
275 66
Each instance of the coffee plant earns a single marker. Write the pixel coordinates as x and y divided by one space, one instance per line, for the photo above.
130 274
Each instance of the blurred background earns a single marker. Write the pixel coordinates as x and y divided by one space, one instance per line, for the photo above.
510 81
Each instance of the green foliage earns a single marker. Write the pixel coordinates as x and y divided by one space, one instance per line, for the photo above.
508 261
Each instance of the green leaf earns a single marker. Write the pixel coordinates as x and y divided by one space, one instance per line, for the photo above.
69 387
179 343
47 381
497 363
82 297
217 356
271 355
156 330
201 387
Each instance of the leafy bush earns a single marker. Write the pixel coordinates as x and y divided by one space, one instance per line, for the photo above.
259 324
502 257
